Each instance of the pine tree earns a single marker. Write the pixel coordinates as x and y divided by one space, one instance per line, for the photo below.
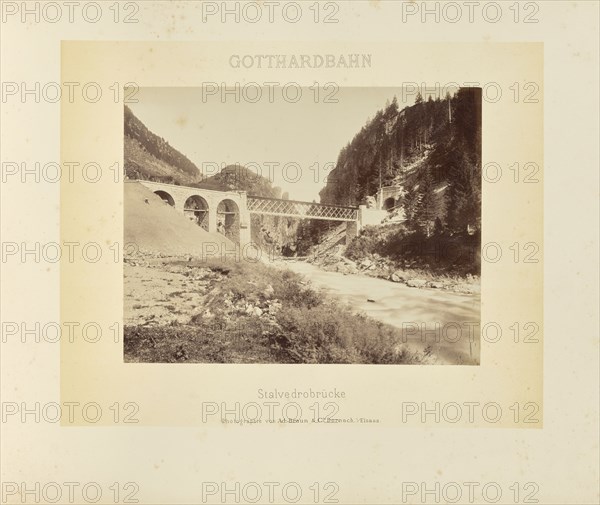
425 209
410 204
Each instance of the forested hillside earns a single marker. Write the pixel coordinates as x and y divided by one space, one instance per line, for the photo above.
239 178
432 149
150 157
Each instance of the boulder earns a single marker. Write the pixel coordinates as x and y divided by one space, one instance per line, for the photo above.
396 277
345 268
416 283
274 307
366 263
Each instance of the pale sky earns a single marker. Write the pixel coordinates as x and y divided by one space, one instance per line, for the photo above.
216 129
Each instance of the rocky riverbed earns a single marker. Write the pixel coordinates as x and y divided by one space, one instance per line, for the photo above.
383 268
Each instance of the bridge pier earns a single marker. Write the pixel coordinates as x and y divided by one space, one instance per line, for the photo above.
369 217
212 221
245 234
179 205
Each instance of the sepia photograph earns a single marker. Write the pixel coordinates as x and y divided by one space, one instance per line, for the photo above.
299 252
307 225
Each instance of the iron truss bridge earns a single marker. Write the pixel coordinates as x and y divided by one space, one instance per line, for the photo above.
293 208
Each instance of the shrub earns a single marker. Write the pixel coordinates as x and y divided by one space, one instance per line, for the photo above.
365 244
330 333
288 288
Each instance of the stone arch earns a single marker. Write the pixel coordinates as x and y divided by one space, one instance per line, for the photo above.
228 219
166 197
389 203
196 209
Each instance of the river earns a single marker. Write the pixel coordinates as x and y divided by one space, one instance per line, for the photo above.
445 322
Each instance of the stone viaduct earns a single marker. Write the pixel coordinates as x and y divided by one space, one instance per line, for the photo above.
228 212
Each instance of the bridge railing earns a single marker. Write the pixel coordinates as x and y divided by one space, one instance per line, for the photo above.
295 208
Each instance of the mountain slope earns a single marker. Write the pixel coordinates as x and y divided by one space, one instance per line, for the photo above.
148 156
240 178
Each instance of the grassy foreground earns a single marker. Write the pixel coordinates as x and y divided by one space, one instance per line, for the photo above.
259 314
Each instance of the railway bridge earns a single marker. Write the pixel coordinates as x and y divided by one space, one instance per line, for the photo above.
228 212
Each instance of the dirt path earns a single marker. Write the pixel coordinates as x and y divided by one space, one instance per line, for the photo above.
447 322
